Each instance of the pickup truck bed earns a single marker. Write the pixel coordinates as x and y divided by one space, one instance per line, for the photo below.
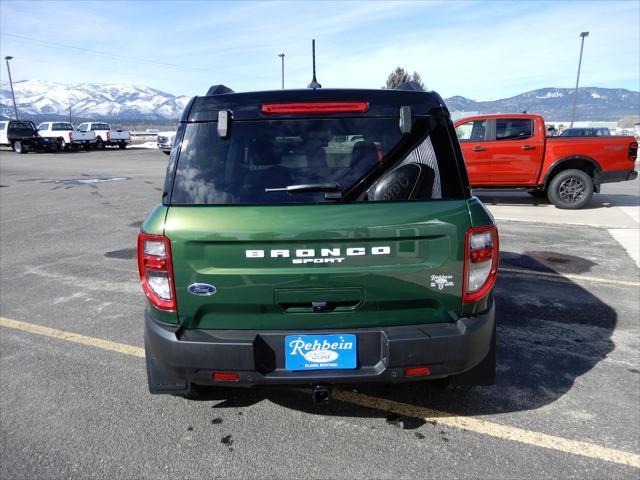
512 151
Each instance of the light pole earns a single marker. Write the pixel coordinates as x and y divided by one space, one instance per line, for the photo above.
281 55
575 97
11 83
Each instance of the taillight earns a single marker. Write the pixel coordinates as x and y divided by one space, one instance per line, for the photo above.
315 107
156 271
633 151
108 135
480 262
70 136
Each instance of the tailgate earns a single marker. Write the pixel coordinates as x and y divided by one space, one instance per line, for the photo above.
318 266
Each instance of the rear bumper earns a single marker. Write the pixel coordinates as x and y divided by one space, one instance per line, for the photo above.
178 358
618 176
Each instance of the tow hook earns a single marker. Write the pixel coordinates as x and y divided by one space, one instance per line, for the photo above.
321 394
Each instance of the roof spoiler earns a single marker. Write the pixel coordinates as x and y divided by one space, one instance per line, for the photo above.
218 90
410 86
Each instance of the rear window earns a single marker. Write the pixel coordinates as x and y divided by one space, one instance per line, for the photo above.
62 126
345 159
99 126
513 128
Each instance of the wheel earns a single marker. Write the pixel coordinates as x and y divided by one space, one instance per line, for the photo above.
166 153
99 144
538 193
62 145
18 147
571 189
122 146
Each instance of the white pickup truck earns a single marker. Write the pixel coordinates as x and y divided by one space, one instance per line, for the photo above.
105 136
66 135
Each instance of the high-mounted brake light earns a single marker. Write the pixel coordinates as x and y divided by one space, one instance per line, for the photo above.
156 271
315 107
481 251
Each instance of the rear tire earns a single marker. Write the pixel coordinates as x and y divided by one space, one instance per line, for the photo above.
99 144
571 189
61 146
122 146
19 148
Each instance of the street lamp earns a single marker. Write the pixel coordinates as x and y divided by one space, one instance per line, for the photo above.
11 83
281 55
575 97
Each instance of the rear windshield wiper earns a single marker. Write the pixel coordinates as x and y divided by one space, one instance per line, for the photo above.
307 187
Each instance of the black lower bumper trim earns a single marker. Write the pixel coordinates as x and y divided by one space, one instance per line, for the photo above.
177 358
618 176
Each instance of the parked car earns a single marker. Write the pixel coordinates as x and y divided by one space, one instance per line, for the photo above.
512 151
66 135
105 136
22 136
165 141
586 132
274 261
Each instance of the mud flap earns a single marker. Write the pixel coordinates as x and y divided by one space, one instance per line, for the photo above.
163 382
482 374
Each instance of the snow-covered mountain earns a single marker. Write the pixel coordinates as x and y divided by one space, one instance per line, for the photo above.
604 104
37 98
90 100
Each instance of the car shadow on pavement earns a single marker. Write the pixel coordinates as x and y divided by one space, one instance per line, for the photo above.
550 331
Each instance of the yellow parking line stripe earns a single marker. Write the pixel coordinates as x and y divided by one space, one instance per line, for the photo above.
471 424
491 429
72 337
570 276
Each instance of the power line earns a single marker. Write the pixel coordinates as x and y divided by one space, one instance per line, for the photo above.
126 57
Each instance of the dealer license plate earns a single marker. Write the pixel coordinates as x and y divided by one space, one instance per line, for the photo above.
321 352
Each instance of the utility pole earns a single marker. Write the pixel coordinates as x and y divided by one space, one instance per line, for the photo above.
281 55
13 96
575 97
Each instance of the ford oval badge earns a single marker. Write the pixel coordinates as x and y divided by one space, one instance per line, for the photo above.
202 289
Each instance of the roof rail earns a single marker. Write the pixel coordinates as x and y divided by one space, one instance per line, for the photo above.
410 86
218 90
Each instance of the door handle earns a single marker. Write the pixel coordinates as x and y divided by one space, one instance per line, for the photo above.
479 149
528 147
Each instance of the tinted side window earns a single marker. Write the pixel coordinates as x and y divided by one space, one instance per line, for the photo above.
472 131
43 126
513 128
3 125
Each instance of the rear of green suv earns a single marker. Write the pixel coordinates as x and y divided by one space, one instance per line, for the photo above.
317 237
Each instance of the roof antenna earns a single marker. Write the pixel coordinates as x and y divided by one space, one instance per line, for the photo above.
314 83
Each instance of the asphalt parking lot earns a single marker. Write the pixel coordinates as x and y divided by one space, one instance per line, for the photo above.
73 394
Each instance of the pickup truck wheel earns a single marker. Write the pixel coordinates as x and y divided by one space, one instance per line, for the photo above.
99 144
62 145
122 146
571 189
18 147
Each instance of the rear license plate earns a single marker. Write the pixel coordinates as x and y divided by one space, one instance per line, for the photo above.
321 352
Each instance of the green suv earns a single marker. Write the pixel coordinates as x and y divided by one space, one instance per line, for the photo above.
317 237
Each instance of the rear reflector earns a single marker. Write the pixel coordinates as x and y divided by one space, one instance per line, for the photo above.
226 376
316 107
416 371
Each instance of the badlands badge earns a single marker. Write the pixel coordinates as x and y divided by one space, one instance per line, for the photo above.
442 281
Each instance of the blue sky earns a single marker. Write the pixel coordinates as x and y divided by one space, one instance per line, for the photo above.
478 49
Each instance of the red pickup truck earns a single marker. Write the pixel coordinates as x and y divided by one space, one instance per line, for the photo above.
512 151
